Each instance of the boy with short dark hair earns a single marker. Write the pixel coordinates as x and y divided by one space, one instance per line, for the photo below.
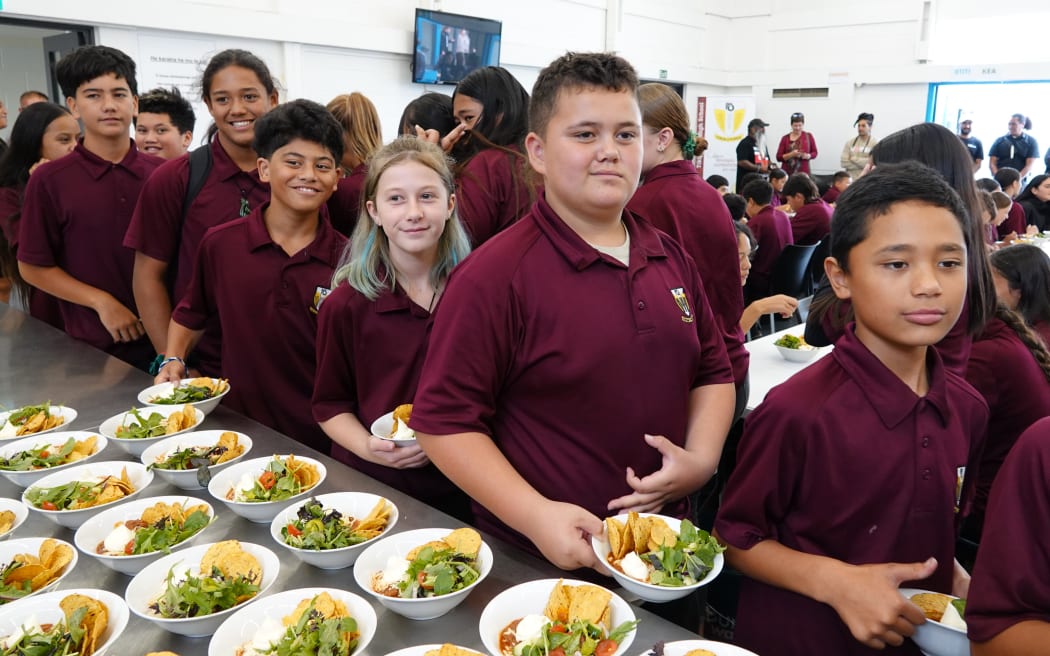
851 476
574 356
772 231
839 184
164 126
265 275
77 208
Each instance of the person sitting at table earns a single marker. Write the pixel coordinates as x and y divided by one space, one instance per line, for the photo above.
839 184
719 182
781 304
1022 283
1035 199
778 178
737 208
772 231
812 220
265 275
1009 180
863 416
384 292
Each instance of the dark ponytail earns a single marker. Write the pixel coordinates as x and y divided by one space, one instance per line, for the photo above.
1027 336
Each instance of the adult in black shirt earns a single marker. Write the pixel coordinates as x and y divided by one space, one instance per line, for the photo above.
973 144
752 155
1016 149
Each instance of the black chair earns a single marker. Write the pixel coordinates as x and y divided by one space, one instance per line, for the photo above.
790 274
816 263
823 181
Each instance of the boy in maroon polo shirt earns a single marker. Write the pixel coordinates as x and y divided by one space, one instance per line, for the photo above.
265 275
852 474
574 356
76 209
772 231
812 220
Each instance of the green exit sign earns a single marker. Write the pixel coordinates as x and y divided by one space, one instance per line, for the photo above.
663 71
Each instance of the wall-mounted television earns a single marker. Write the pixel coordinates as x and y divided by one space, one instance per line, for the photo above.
448 46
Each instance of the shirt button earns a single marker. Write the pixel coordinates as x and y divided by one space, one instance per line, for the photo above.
641 305
925 442
284 284
926 473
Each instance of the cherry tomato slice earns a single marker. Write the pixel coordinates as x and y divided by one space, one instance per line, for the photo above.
559 628
605 648
129 548
557 651
47 505
294 532
267 480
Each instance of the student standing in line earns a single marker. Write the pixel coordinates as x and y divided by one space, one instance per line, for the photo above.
30 97
363 136
1008 610
168 224
580 332
164 126
492 175
372 328
857 151
77 208
1022 283
264 276
40 134
889 427
797 147
676 200
1016 149
812 220
430 117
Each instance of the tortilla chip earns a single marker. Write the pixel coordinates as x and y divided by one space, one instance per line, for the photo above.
933 604
375 521
558 603
86 446
588 602
450 650
233 447
324 604
27 572
7 521
639 529
402 414
94 622
162 653
232 560
465 541
700 652
614 531
660 534
438 545
305 473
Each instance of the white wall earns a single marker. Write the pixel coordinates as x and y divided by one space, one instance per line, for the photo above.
21 68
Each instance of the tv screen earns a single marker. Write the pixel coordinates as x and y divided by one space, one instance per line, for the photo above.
448 46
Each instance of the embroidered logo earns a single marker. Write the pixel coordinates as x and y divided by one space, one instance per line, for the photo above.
682 302
960 478
320 294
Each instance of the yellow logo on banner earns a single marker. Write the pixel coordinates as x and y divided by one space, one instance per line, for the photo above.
729 133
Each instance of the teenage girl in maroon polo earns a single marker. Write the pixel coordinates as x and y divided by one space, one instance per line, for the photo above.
812 220
43 132
492 181
849 474
363 136
238 89
372 328
1022 283
1008 610
675 199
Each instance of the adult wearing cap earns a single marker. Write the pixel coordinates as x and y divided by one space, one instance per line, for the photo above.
1016 149
796 147
752 156
973 144
857 151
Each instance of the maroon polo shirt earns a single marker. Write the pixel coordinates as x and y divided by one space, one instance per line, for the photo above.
831 195
811 223
1015 401
158 230
40 304
1042 328
74 215
1010 577
345 204
491 193
772 230
678 201
265 301
1016 221
844 460
351 331
566 357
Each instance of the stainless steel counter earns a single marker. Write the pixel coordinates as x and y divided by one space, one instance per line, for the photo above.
38 363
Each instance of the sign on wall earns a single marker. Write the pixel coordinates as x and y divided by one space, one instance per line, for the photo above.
722 120
166 61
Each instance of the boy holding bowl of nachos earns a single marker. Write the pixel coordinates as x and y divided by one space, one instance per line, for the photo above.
574 369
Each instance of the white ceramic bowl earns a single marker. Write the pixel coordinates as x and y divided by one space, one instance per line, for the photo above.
936 639
350 504
683 647
798 355
26 478
259 511
186 479
21 512
69 414
11 548
133 446
530 599
46 609
95 530
137 472
148 584
421 650
374 559
648 591
382 428
242 627
147 395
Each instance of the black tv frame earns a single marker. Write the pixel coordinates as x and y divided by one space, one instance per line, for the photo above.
438 56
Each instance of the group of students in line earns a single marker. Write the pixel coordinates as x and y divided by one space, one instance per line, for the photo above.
571 340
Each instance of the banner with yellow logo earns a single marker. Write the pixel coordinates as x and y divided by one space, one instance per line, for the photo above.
722 120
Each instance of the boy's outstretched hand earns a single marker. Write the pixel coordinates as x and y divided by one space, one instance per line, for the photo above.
867 599
682 472
562 532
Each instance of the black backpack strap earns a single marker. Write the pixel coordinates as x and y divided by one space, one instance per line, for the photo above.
200 166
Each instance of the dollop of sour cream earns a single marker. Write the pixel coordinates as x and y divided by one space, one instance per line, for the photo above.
403 432
530 628
269 632
952 618
244 486
634 567
9 430
391 575
117 539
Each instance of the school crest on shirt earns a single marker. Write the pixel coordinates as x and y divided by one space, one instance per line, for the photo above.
682 301
320 294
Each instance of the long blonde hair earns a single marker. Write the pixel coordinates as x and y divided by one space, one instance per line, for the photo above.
365 264
360 120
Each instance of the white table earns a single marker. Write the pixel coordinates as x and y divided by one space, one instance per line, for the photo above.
769 369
